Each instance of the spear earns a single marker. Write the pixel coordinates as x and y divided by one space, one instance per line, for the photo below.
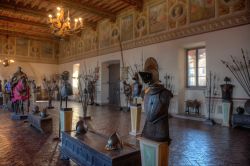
245 74
142 59
239 78
120 43
242 77
247 69
136 68
132 69
236 76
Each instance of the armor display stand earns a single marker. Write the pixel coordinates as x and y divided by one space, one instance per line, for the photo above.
226 113
135 112
153 153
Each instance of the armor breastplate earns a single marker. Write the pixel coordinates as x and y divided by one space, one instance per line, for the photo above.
156 103
66 90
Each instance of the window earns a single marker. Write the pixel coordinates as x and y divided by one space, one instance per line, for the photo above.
75 75
196 67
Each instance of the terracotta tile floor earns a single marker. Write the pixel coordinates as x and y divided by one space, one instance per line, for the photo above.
193 143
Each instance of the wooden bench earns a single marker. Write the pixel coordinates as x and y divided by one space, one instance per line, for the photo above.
42 124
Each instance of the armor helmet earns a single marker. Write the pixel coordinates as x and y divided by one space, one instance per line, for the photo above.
114 142
150 74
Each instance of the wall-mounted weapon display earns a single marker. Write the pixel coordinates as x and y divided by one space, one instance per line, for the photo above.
240 70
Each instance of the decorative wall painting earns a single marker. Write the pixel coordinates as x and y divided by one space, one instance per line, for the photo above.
115 34
104 34
201 10
141 24
157 18
230 6
35 48
47 50
177 15
22 45
127 28
9 45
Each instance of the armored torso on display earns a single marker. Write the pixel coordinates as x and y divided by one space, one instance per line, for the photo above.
156 103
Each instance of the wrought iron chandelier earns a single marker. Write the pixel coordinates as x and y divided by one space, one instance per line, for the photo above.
61 25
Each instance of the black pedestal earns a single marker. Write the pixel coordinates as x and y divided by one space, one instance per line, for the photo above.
241 120
44 125
15 116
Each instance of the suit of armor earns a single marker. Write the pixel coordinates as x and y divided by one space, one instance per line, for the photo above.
156 103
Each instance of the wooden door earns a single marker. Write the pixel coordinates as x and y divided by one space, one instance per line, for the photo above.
114 84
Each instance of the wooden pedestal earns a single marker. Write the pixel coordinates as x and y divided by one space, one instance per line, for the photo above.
135 112
44 125
66 119
89 150
153 153
226 113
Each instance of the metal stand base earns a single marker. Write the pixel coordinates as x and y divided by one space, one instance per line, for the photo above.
210 122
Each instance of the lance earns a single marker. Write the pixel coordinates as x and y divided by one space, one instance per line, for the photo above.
242 77
247 69
236 76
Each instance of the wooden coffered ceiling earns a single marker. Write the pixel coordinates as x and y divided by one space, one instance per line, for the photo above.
30 17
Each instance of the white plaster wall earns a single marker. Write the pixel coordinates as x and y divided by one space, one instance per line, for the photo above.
171 59
35 71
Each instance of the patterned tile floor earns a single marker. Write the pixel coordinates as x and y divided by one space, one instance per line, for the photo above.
193 143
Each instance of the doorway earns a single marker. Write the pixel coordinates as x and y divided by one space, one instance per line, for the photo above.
114 84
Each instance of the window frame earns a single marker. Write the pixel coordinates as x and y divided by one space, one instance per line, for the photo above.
196 68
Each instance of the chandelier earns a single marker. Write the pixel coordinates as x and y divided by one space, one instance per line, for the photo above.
6 62
61 25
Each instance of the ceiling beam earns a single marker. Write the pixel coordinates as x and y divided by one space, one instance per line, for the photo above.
23 10
85 7
17 20
27 35
35 13
136 3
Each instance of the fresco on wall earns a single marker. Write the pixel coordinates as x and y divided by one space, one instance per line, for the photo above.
104 34
94 39
80 45
22 45
141 24
115 34
1 44
87 40
90 40
67 50
9 45
177 13
157 18
35 48
73 46
47 49
201 9
172 18
230 6
127 28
